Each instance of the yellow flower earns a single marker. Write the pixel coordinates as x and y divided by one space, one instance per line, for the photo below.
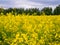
20 39
17 35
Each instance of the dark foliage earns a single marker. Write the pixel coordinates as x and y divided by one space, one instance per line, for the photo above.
30 11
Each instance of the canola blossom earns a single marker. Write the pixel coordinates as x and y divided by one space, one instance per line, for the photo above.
29 30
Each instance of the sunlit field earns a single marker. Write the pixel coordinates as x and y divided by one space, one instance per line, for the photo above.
29 30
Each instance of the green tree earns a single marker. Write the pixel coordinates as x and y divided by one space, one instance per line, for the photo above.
57 10
47 10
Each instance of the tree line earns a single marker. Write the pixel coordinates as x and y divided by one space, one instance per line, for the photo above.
30 11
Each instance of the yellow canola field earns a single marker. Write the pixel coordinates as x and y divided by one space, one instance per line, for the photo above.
29 30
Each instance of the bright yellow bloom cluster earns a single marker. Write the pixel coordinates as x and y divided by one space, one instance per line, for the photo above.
29 30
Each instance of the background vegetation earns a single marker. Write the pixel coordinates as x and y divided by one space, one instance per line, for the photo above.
30 11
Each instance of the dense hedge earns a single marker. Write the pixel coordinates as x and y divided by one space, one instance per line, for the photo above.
31 11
